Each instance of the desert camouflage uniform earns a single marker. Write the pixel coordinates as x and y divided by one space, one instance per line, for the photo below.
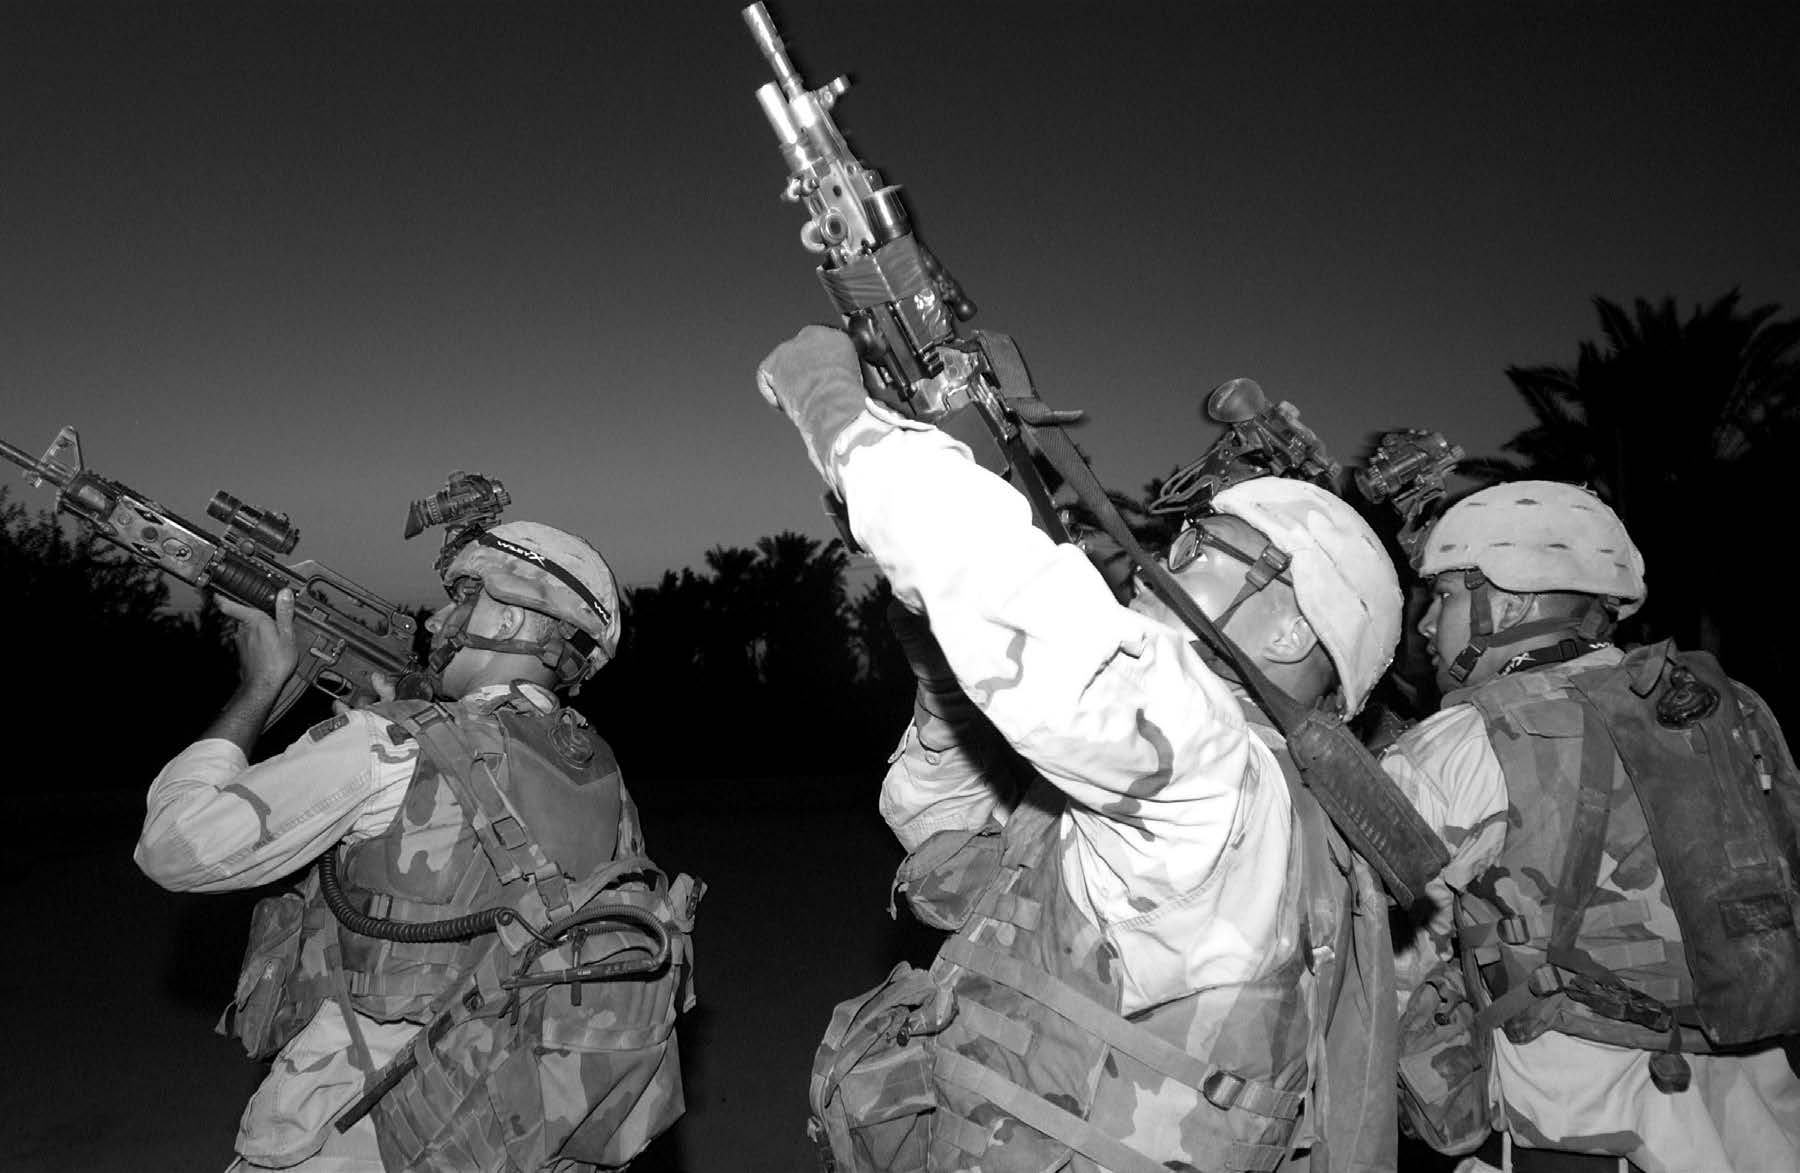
1162 858
216 824
1506 827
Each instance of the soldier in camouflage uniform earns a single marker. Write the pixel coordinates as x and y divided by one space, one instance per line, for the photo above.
1152 922
1528 579
496 798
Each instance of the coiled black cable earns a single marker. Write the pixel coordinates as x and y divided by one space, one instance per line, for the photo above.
456 928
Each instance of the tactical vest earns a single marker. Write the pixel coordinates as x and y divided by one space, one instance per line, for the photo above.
1641 851
1013 1055
511 1074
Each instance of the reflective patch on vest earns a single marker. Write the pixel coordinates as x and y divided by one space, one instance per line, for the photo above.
328 726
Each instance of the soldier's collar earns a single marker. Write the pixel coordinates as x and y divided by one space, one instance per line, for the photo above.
521 693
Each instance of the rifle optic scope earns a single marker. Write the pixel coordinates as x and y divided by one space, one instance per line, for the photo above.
272 531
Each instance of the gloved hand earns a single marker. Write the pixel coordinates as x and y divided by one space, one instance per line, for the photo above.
815 379
939 696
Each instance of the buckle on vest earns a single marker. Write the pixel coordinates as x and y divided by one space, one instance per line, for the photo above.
1545 980
1222 1089
1512 930
509 833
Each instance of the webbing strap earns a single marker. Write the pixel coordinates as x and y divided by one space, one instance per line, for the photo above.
1109 1152
360 1055
990 1024
1587 833
959 1132
511 848
1125 1037
1598 918
1022 911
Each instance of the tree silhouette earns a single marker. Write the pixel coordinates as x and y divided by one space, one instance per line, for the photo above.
760 663
1685 426
98 650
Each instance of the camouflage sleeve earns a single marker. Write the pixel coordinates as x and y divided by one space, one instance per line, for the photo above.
1113 708
215 823
1448 768
948 777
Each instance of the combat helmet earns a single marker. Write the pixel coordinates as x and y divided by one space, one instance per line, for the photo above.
1343 581
545 570
1529 537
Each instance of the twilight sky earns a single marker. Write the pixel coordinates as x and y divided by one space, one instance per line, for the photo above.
322 254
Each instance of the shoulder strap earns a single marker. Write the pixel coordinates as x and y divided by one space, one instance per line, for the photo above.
504 837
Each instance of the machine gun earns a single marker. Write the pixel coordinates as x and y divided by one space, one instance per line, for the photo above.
899 304
346 633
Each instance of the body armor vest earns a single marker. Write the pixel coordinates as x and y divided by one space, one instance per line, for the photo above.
430 865
1015 1057
1646 837
514 809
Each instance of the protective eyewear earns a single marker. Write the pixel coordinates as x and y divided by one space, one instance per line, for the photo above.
1194 539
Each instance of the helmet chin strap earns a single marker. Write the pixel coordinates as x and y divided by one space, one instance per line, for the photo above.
563 652
1482 636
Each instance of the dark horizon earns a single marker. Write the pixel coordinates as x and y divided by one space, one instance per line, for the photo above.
321 255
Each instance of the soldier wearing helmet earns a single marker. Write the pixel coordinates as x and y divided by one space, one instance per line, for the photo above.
445 849
1528 579
1151 923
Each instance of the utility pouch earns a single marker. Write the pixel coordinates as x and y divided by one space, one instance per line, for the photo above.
872 1093
260 1016
1443 1065
563 1076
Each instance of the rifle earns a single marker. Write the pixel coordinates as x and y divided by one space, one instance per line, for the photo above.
903 310
345 632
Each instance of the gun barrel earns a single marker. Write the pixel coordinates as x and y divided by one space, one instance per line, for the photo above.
769 41
20 457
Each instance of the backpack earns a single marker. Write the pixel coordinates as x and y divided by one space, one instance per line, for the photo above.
1663 758
1721 795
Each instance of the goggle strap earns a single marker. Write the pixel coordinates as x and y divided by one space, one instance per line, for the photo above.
525 554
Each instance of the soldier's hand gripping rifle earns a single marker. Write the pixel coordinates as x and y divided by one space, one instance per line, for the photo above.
345 632
901 307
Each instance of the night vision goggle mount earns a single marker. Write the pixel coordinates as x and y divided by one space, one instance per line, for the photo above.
1407 470
1260 440
467 504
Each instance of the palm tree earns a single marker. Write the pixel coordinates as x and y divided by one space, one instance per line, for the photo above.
1683 426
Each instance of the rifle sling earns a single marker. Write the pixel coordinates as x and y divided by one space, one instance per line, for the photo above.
1364 803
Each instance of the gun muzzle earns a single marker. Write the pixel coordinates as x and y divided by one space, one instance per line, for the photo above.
769 41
